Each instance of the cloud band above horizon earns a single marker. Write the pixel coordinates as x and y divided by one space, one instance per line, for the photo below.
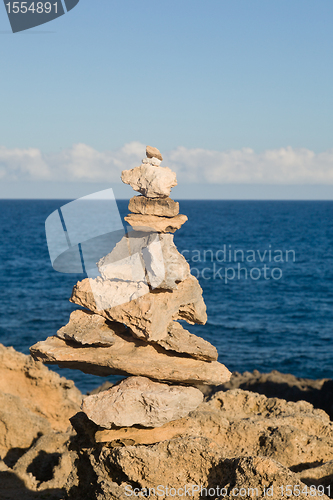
83 163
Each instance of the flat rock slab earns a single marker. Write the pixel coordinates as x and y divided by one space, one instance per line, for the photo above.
163 207
151 181
155 223
149 315
128 356
152 152
135 435
88 328
140 401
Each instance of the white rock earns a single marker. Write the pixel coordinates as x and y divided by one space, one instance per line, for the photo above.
152 161
108 294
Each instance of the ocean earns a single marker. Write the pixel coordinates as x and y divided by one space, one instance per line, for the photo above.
265 267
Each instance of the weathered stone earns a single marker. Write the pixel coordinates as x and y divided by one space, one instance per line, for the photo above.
136 435
140 401
151 181
19 426
87 328
46 466
108 294
149 315
128 356
155 223
163 207
128 269
152 161
41 391
182 341
164 264
199 465
151 257
152 152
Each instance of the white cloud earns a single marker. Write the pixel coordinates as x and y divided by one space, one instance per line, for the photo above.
83 163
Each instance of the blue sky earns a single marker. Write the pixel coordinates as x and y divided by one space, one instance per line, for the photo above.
215 75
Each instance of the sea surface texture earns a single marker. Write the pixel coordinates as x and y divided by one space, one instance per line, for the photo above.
266 269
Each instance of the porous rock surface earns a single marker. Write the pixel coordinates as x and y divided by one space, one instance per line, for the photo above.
234 439
155 223
150 180
149 315
163 207
87 328
129 356
140 401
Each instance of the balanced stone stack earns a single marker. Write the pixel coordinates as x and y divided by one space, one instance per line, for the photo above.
130 322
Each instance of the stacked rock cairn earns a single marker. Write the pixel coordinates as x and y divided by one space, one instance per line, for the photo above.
145 287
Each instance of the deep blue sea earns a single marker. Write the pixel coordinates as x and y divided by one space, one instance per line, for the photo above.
266 269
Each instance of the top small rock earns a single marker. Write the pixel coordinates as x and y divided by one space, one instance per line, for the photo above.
153 153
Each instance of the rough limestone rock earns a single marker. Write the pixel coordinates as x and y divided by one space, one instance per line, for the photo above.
43 392
198 464
151 181
182 341
286 386
149 315
163 207
87 328
152 152
110 294
128 356
146 257
130 268
140 401
244 423
322 475
19 426
165 266
155 223
152 161
46 466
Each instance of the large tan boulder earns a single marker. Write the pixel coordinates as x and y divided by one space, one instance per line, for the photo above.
19 426
187 467
149 315
151 181
128 356
42 391
140 401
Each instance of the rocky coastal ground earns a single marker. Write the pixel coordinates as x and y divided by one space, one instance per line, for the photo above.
180 425
259 432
